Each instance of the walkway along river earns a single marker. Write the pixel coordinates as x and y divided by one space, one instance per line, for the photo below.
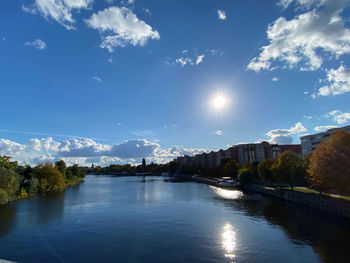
152 219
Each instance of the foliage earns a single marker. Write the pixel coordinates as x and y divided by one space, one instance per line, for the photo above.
330 164
6 163
3 197
246 175
289 168
230 168
33 186
50 177
265 170
9 182
61 166
23 194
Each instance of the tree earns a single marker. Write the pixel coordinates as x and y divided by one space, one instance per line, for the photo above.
144 164
61 165
33 186
50 177
3 197
265 170
230 168
6 163
289 168
9 182
246 175
329 167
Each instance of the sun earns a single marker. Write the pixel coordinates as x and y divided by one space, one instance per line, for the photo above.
219 101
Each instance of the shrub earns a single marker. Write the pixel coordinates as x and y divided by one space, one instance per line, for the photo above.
3 197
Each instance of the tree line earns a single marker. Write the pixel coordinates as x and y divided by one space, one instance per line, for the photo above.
326 169
20 182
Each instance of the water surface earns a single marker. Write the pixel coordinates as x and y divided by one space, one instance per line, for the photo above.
149 219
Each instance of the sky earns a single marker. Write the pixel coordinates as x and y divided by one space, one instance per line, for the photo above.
110 81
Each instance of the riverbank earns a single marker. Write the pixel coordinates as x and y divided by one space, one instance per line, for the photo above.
23 196
326 204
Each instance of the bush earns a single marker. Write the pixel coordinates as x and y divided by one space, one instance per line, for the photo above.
3 197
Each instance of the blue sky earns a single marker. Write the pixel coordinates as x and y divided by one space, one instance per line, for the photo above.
114 81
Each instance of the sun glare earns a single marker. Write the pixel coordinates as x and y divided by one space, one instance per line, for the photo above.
219 101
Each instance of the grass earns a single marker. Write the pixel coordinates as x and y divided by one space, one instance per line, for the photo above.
312 191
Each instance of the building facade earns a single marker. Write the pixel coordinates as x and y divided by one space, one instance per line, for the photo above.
310 142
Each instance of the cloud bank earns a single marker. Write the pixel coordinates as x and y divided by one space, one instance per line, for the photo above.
86 151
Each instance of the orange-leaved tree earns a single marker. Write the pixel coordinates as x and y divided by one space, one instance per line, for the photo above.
329 167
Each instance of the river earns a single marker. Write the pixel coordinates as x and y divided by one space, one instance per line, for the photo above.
151 219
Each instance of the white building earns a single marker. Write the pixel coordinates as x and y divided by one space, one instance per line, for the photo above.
310 142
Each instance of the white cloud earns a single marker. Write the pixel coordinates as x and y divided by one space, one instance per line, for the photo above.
221 14
218 132
306 92
302 3
86 151
339 116
58 10
324 128
8 147
339 82
275 79
119 27
307 117
110 60
38 44
98 79
299 41
199 59
147 11
282 136
45 144
183 61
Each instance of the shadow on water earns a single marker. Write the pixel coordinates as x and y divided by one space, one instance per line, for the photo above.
7 218
329 236
49 207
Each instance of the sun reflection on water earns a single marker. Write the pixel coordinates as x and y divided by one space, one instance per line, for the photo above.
227 194
229 241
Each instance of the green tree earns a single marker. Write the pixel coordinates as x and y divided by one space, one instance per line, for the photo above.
230 168
50 177
6 163
33 187
3 197
246 175
265 170
289 168
10 182
329 167
61 165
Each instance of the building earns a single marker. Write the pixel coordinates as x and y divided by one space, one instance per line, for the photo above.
219 156
242 153
212 159
296 148
310 142
254 152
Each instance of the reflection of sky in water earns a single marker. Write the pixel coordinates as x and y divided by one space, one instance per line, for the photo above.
227 194
229 241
